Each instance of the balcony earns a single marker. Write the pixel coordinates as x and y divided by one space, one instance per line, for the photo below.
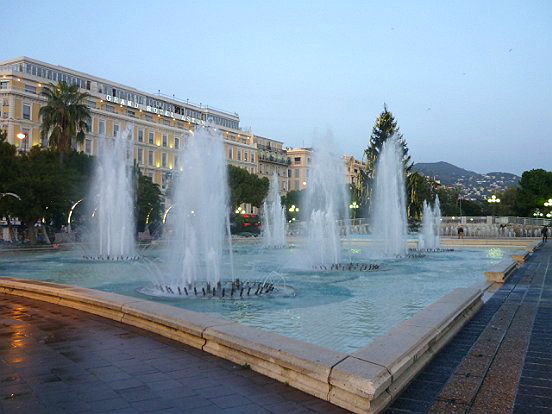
275 158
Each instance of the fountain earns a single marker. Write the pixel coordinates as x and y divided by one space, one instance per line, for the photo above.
111 201
199 214
326 201
388 215
431 221
274 217
201 228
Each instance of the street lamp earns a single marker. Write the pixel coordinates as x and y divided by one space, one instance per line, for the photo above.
22 136
493 200
354 206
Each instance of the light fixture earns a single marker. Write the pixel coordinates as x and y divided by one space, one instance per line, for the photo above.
21 135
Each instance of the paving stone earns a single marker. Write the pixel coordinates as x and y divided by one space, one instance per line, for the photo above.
73 362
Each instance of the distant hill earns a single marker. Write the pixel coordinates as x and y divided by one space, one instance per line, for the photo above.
443 171
473 185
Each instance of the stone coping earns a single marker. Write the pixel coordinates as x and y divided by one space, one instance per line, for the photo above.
363 382
501 271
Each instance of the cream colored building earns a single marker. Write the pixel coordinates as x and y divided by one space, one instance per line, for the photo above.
159 123
300 160
273 158
353 169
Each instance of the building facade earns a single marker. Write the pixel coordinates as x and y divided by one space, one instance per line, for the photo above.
158 124
273 158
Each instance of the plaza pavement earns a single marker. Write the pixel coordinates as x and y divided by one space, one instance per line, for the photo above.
59 360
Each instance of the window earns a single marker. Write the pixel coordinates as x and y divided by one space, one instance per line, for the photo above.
164 160
150 157
151 138
91 103
296 185
176 161
296 173
140 156
26 111
252 157
4 85
87 84
245 155
165 140
140 135
110 108
239 155
297 160
101 127
30 88
148 117
176 143
166 122
230 155
132 114
88 146
115 130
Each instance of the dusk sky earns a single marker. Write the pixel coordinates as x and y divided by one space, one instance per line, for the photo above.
469 82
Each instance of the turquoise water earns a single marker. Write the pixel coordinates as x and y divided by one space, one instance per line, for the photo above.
342 310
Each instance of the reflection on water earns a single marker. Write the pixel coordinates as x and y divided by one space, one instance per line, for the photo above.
340 310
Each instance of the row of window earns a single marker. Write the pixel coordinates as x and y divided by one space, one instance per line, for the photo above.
55 76
246 155
151 158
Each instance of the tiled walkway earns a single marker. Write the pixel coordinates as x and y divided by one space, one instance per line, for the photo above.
501 361
58 360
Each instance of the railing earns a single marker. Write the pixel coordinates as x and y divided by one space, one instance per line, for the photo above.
272 158
526 221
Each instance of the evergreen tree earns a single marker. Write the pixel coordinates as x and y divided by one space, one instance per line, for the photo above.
384 128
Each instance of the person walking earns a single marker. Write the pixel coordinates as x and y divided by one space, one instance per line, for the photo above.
460 232
544 232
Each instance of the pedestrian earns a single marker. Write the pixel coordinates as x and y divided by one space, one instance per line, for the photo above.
460 232
544 232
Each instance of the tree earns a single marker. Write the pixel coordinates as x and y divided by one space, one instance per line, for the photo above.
535 187
9 171
246 187
419 190
293 198
148 202
384 128
65 117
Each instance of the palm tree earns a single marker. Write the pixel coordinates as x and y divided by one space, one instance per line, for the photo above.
65 117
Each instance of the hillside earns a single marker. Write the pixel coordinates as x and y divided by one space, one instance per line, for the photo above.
472 185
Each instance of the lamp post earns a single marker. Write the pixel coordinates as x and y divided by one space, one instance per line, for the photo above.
23 137
494 200
354 206
293 210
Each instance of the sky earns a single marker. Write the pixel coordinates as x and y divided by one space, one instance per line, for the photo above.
469 82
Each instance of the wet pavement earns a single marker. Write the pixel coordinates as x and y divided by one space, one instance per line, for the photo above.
501 361
58 360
